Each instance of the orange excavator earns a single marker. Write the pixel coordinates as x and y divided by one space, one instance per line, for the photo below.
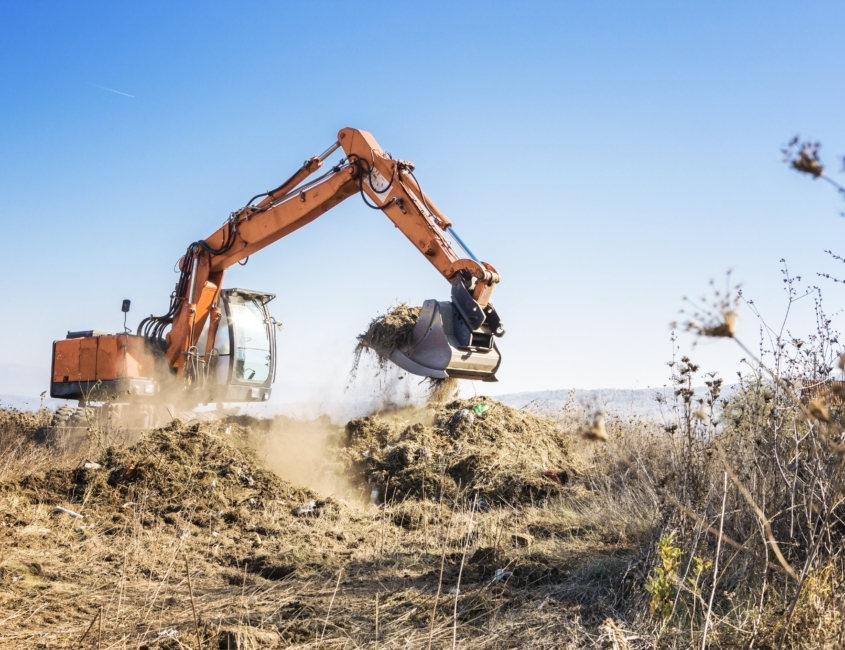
218 345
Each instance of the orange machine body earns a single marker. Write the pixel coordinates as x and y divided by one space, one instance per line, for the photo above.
116 363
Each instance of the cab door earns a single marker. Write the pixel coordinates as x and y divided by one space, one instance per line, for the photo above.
243 363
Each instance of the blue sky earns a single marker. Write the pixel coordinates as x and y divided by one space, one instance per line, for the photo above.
607 157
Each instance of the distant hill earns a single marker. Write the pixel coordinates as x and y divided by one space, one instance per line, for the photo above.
638 402
20 387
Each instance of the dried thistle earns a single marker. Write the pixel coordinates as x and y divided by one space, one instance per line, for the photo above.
597 432
818 409
725 329
717 316
803 157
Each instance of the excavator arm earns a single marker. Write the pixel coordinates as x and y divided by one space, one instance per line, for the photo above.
441 338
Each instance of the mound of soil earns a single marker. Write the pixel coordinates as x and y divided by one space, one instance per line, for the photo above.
201 476
477 448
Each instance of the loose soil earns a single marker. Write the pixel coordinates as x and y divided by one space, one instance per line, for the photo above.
464 450
469 538
391 331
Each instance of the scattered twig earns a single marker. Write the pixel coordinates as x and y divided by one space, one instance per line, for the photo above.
331 602
100 631
93 620
460 573
193 604
715 563
376 620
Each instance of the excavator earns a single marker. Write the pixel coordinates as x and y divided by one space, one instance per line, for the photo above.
217 345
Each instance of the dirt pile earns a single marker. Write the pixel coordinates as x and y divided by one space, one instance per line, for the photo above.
466 448
190 478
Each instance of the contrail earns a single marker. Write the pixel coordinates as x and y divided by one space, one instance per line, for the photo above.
112 90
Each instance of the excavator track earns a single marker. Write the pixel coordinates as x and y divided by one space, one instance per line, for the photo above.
67 430
72 427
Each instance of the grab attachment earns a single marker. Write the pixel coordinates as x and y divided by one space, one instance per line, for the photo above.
453 339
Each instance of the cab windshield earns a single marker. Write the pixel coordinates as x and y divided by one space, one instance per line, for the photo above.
251 339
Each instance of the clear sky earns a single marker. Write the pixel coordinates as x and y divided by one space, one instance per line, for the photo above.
607 157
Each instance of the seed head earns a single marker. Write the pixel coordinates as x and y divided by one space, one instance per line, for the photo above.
597 431
724 329
818 409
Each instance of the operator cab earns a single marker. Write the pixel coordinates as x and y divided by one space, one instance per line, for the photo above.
242 365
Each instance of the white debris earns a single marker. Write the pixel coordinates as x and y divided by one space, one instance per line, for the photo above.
71 513
306 508
501 574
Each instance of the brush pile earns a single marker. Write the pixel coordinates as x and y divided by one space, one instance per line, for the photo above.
475 448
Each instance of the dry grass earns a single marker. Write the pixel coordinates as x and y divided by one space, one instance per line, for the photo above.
18 451
260 572
573 571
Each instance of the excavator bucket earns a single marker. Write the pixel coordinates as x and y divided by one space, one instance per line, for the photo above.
452 339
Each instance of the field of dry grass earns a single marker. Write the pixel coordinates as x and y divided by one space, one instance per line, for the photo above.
720 526
196 502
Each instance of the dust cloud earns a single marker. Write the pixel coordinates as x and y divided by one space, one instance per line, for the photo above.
304 453
305 449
